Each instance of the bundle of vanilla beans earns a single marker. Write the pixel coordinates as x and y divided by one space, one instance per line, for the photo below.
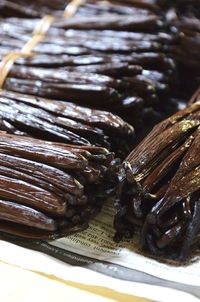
159 187
183 17
117 59
56 169
68 113
50 189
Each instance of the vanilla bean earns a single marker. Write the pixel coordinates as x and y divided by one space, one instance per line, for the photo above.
14 212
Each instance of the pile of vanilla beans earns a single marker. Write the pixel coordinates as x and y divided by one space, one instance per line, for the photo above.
159 187
73 110
108 56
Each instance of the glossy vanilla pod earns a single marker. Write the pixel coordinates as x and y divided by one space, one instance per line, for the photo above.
159 188
64 122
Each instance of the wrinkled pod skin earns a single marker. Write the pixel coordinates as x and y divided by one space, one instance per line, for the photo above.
159 188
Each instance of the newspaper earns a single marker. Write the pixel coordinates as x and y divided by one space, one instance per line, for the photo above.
93 253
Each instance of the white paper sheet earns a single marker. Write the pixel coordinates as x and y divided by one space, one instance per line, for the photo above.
37 261
105 263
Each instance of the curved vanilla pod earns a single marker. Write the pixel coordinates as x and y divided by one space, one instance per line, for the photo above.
63 183
30 195
11 211
159 188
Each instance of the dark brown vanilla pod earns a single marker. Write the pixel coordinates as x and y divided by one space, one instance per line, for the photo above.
112 21
21 9
86 89
114 69
159 188
49 190
183 18
98 8
9 8
64 122
147 4
195 97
